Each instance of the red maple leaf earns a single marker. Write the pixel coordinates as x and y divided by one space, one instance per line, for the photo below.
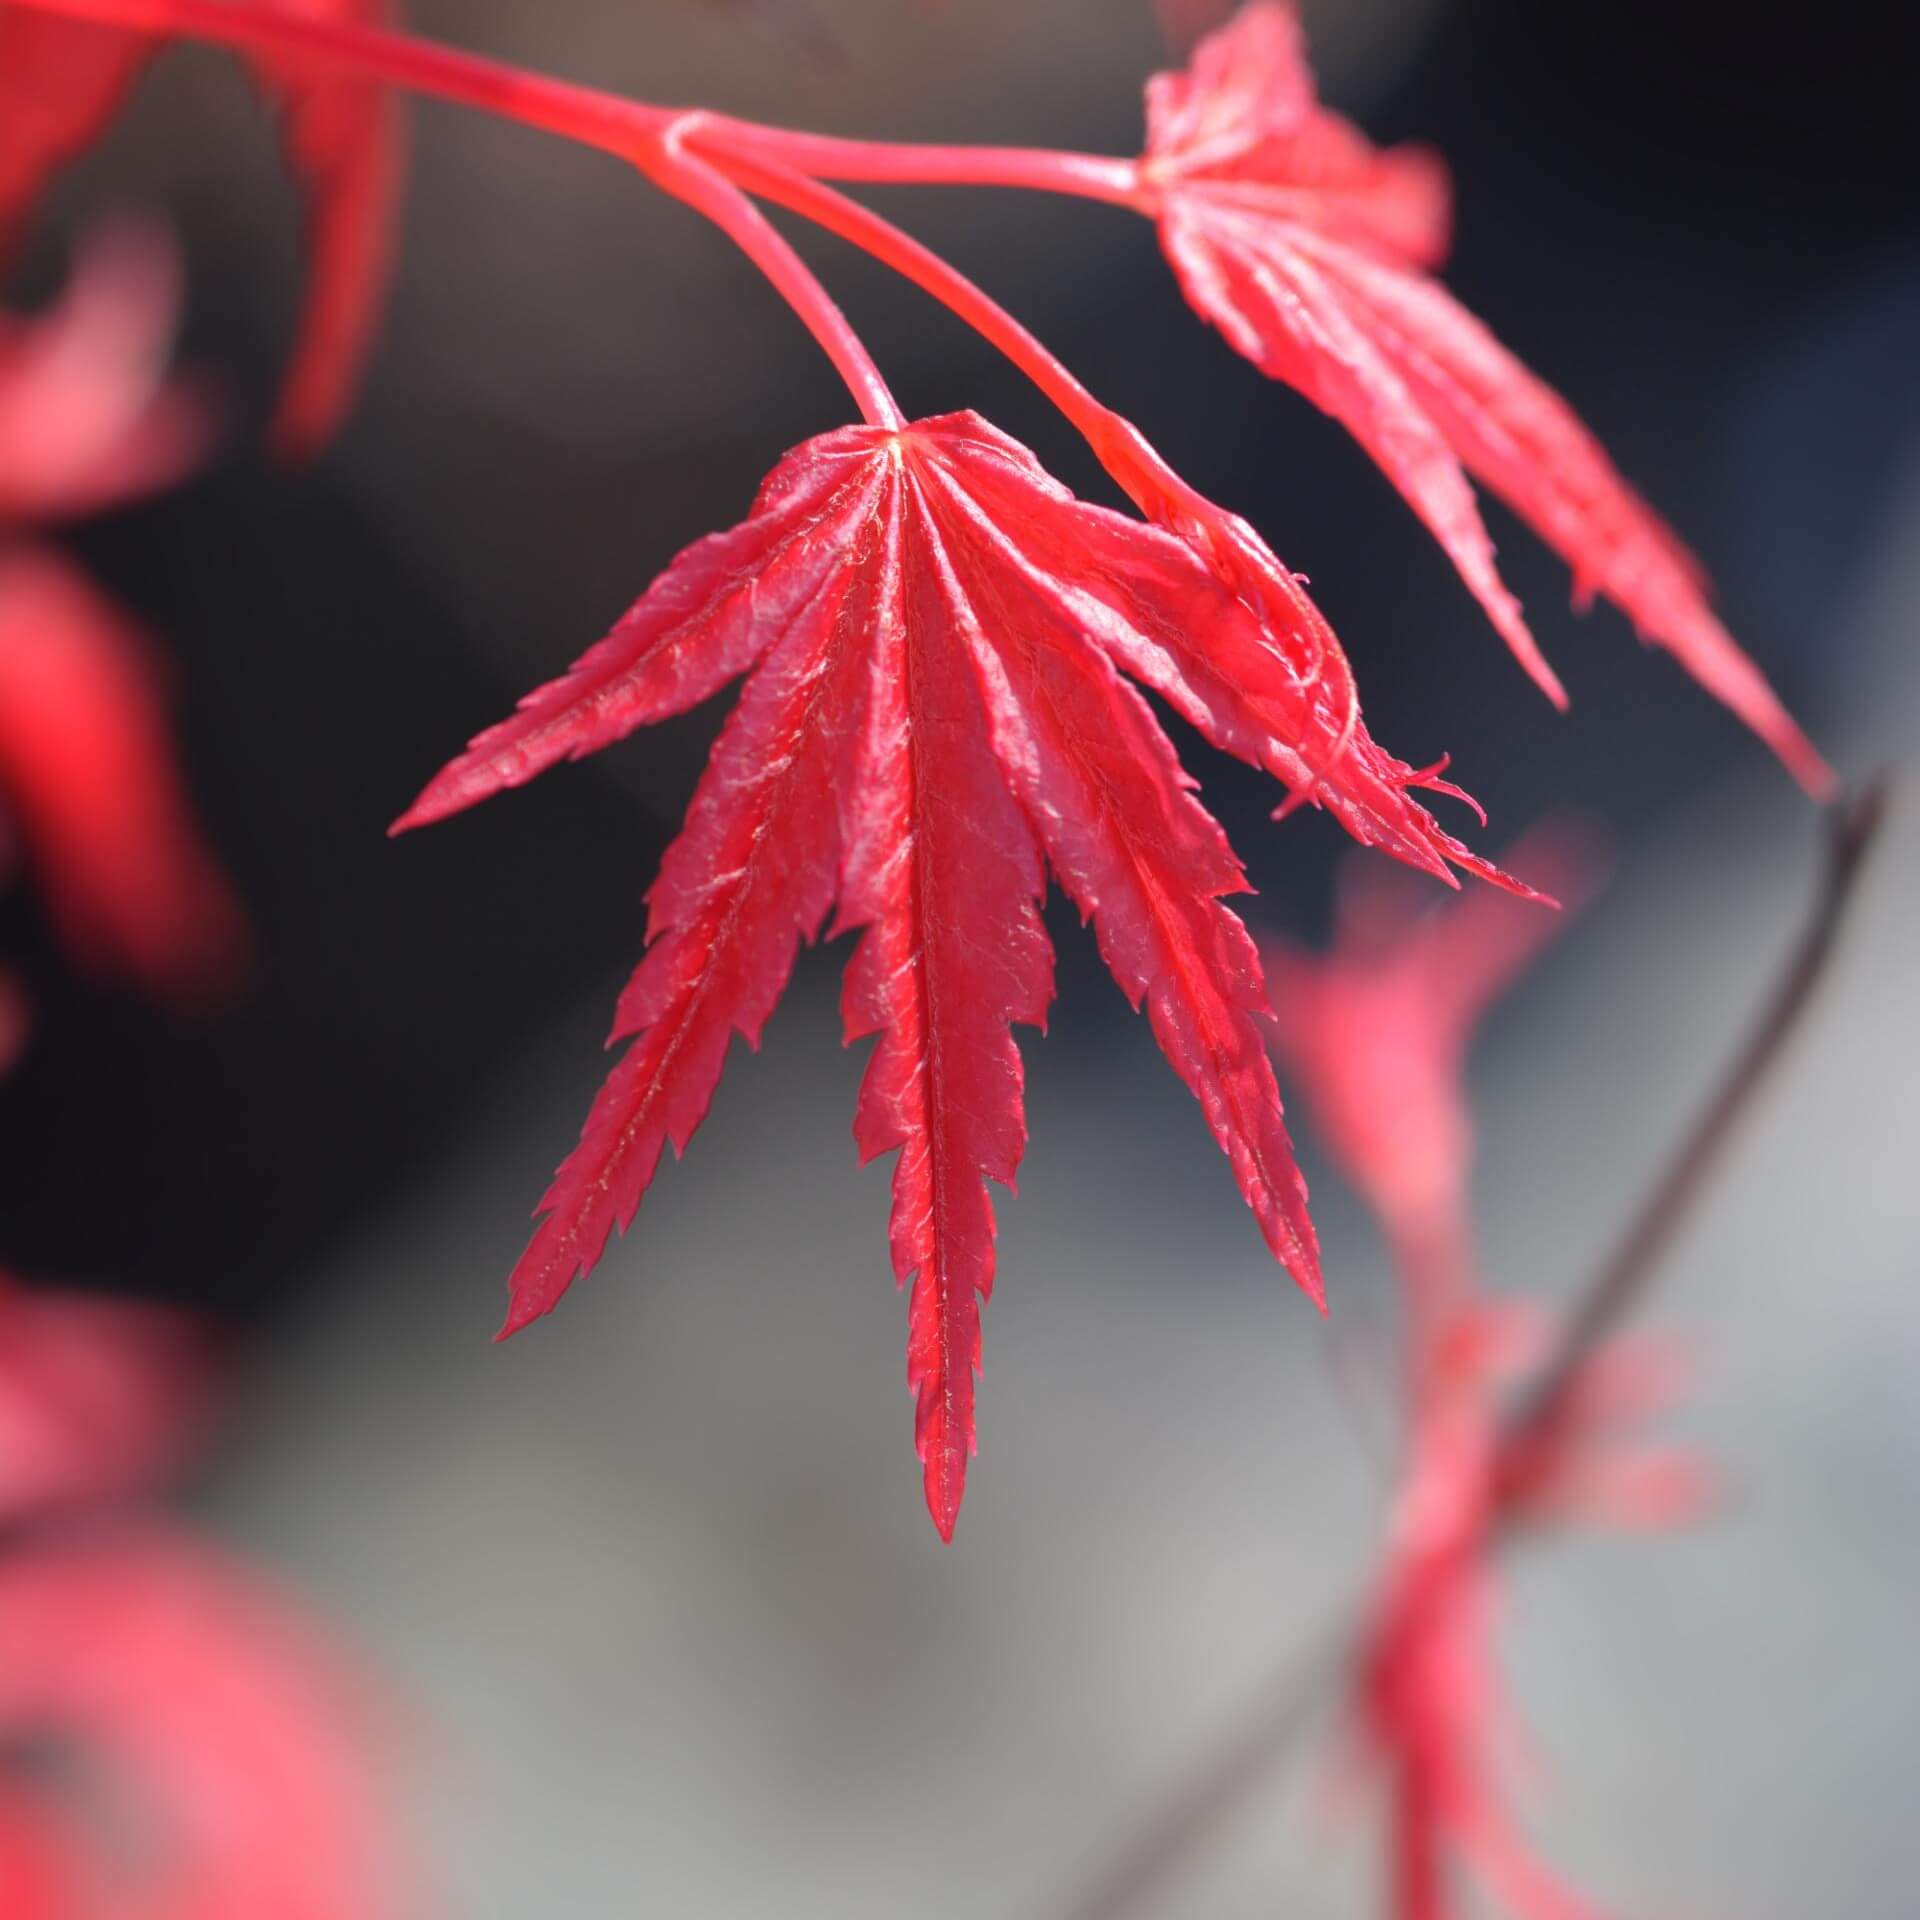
937 634
1241 127
1376 1034
217 1747
1305 247
211 1754
193 1694
62 82
1426 1691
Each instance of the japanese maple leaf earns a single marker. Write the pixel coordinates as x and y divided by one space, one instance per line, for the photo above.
937 634
1376 1033
179 1680
87 770
1242 128
1429 1710
1426 1694
1306 247
63 81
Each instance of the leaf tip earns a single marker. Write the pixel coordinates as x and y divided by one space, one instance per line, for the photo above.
945 1482
1514 630
517 1320
1808 766
529 1298
435 802
1303 1266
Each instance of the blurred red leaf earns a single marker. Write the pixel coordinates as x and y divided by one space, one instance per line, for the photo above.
62 82
1376 1032
192 1692
89 417
87 769
97 1398
344 139
41 1873
1241 127
1427 1694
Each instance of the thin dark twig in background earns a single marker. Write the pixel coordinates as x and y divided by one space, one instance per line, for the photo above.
1204 1800
1616 1288
1168 1839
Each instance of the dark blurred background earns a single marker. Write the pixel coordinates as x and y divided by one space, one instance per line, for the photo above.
1697 219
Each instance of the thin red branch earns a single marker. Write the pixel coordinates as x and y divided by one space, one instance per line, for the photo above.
1104 430
649 137
1086 176
690 178
588 115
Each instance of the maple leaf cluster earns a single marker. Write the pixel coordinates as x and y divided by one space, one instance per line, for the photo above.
946 659
992 738
1376 1033
945 652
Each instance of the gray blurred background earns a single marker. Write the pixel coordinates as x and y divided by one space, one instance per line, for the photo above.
654 1584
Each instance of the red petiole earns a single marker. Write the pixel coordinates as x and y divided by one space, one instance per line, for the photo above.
689 177
655 140
707 159
1086 176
